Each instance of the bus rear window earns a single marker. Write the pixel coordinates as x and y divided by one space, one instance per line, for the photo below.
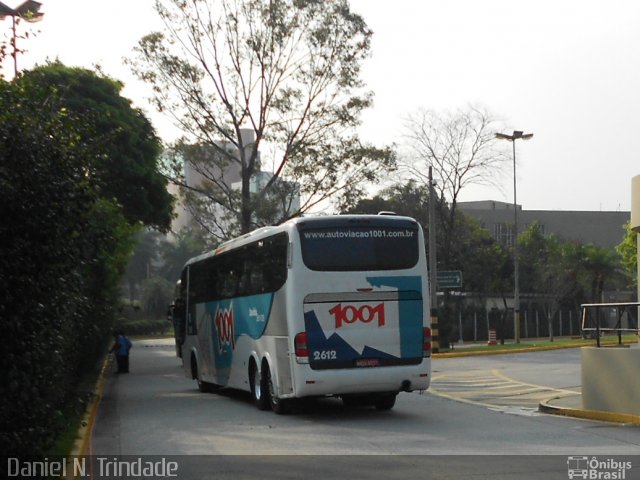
356 248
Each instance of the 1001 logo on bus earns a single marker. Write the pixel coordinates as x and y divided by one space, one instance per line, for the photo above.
351 314
224 327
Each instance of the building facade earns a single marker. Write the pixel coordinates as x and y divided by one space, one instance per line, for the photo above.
206 168
603 229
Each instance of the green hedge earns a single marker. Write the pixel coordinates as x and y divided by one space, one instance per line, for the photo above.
64 250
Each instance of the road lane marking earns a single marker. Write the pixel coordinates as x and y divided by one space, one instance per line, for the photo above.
494 391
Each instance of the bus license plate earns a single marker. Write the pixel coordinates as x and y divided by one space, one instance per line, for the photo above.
367 362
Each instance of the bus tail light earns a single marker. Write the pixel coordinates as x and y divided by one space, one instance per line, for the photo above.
426 342
301 347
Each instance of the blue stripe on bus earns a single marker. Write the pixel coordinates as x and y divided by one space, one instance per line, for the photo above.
410 310
230 319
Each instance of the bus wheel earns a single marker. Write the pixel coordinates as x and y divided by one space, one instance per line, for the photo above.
195 374
204 387
385 401
259 388
278 405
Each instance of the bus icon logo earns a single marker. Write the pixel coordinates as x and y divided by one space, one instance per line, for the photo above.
578 467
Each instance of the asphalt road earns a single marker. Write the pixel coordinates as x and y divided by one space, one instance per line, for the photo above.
156 411
510 383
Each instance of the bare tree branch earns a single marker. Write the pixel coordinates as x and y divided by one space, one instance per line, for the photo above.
289 71
461 149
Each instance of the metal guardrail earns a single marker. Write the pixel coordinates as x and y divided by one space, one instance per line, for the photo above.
602 319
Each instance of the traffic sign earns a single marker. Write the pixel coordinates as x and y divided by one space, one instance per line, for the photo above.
449 279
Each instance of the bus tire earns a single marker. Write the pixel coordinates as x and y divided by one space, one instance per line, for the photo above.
204 387
280 406
259 388
385 401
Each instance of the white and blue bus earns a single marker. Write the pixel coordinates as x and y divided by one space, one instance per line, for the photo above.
317 306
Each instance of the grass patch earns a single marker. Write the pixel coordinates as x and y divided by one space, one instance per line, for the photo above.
67 438
72 416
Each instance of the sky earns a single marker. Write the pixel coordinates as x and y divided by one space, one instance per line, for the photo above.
567 71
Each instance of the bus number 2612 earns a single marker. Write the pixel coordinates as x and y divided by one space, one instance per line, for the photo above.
325 355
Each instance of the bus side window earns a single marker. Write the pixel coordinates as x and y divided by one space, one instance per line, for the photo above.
251 280
275 263
227 278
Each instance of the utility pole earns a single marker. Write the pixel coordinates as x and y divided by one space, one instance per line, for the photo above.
433 272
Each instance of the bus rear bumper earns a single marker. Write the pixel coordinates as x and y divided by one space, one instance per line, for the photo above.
348 381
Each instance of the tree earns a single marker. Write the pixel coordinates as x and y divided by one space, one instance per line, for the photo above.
409 199
546 271
486 264
175 253
288 71
157 294
140 263
565 273
628 251
126 150
75 159
600 264
461 148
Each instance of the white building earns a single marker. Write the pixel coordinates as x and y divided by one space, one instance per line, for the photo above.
202 171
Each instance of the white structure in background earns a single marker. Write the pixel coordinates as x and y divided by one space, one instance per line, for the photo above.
635 220
610 383
230 176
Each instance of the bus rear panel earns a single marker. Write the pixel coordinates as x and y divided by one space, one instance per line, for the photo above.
365 318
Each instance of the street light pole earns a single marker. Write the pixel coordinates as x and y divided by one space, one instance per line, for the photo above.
14 47
28 11
516 270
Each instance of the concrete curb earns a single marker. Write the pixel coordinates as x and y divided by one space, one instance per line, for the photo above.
546 407
515 350
499 352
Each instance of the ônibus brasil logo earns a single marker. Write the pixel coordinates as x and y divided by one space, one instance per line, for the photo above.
351 314
224 327
596 468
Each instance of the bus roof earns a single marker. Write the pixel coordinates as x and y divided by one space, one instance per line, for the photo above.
318 221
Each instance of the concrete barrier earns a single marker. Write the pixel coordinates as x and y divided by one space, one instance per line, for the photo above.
611 379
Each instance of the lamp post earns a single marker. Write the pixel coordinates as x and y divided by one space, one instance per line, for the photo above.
27 11
516 294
